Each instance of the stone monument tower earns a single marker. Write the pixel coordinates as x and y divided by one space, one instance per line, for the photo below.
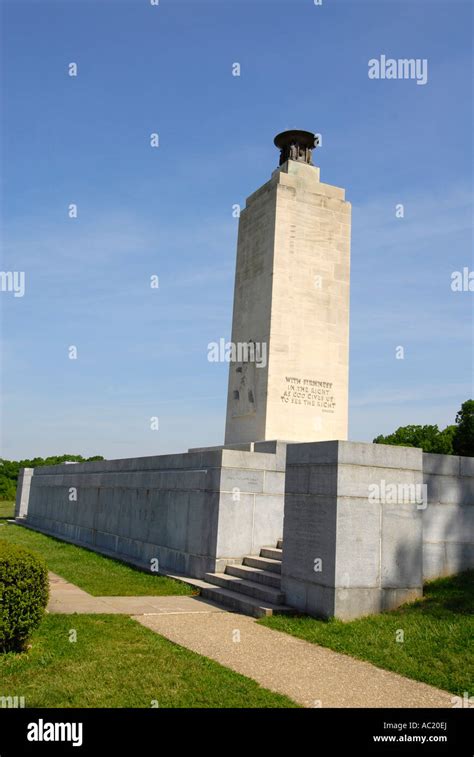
290 328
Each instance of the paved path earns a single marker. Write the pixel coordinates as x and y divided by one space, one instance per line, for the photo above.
67 598
309 674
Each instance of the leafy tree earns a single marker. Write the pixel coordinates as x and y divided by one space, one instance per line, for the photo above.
453 440
7 489
448 435
429 438
463 441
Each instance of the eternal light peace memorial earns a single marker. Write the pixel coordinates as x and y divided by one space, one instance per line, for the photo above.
287 514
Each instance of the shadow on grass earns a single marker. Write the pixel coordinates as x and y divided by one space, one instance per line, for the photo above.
443 596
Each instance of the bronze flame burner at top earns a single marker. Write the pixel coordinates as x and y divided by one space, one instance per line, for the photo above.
296 145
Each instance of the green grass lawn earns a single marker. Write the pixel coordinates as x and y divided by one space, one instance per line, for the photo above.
116 662
7 510
98 575
438 646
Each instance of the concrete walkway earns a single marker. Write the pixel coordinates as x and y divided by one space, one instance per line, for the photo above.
309 674
66 598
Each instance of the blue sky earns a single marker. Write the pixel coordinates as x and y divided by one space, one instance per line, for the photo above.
168 211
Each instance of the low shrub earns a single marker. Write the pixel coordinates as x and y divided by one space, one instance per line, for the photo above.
24 591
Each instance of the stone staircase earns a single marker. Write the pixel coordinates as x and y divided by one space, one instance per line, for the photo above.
252 588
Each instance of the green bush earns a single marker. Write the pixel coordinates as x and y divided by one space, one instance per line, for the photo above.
24 593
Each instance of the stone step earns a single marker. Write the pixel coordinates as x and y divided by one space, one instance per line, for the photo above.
237 602
280 544
266 577
272 552
263 562
250 588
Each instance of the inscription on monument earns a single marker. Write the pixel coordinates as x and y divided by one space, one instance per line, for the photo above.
309 392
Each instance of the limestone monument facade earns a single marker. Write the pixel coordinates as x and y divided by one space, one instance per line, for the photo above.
291 305
287 513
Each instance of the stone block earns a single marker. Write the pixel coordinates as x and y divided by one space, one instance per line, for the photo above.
267 521
309 535
312 452
466 466
297 479
370 547
393 598
176 528
459 556
235 525
401 547
357 541
297 590
320 601
274 482
277 448
376 482
203 513
242 479
356 602
434 560
329 191
448 523
248 460
323 479
449 490
107 541
379 455
441 465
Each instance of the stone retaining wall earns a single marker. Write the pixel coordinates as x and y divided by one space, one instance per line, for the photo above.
194 512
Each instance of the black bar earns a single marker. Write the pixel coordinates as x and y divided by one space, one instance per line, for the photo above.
136 731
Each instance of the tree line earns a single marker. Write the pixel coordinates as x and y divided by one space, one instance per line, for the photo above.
457 439
9 470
